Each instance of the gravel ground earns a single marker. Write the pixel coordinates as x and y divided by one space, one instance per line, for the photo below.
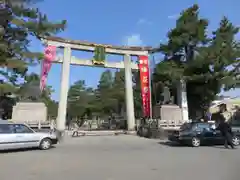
120 157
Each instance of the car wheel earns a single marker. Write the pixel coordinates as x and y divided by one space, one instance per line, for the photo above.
236 141
196 142
45 144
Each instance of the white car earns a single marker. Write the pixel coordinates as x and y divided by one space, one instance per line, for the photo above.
17 136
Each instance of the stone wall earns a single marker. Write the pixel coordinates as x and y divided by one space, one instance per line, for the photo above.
29 112
168 113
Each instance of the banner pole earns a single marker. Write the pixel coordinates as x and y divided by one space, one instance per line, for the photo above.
41 74
150 87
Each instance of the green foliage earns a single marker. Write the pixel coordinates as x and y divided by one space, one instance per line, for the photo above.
118 91
224 54
18 23
137 94
79 99
29 91
52 107
105 93
107 99
207 64
6 105
6 88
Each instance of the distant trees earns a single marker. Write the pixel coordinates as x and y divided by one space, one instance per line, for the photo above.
107 99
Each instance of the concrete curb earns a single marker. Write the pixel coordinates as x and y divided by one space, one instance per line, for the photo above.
101 133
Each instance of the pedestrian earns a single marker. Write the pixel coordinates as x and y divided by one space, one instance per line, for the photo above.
226 132
109 122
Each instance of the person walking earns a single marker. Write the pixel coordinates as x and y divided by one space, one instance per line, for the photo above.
226 132
225 129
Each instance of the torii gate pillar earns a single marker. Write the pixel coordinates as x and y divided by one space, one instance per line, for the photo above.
129 93
62 106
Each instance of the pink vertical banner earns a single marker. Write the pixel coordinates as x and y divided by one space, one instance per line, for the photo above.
145 84
49 56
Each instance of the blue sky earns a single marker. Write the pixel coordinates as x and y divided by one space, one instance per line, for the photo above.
132 22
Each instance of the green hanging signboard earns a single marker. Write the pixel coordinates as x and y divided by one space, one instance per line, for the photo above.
99 55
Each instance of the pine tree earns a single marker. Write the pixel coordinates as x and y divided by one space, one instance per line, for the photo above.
118 91
28 91
77 99
224 54
19 21
105 93
203 62
137 94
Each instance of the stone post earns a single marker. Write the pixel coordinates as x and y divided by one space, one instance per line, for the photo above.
129 93
182 100
39 125
62 107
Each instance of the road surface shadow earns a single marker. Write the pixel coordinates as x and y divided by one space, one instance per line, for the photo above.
222 147
171 144
21 150
175 144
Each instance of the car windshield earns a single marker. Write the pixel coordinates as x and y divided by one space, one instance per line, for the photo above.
235 122
186 126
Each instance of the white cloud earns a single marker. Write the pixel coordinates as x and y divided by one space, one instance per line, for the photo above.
143 21
133 40
173 16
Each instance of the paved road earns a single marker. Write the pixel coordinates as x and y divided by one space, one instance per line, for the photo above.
120 158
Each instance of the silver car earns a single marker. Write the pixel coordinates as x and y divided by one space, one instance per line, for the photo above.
17 136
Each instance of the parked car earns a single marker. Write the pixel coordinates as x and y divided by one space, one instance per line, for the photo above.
201 133
17 136
235 124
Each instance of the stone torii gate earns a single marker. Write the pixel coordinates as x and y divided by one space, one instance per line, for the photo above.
67 59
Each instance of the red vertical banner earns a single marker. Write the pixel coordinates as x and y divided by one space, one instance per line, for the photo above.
145 84
49 56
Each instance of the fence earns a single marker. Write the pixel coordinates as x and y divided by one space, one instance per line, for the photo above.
165 124
122 124
111 125
40 125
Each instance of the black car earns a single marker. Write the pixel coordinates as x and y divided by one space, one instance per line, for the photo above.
200 133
